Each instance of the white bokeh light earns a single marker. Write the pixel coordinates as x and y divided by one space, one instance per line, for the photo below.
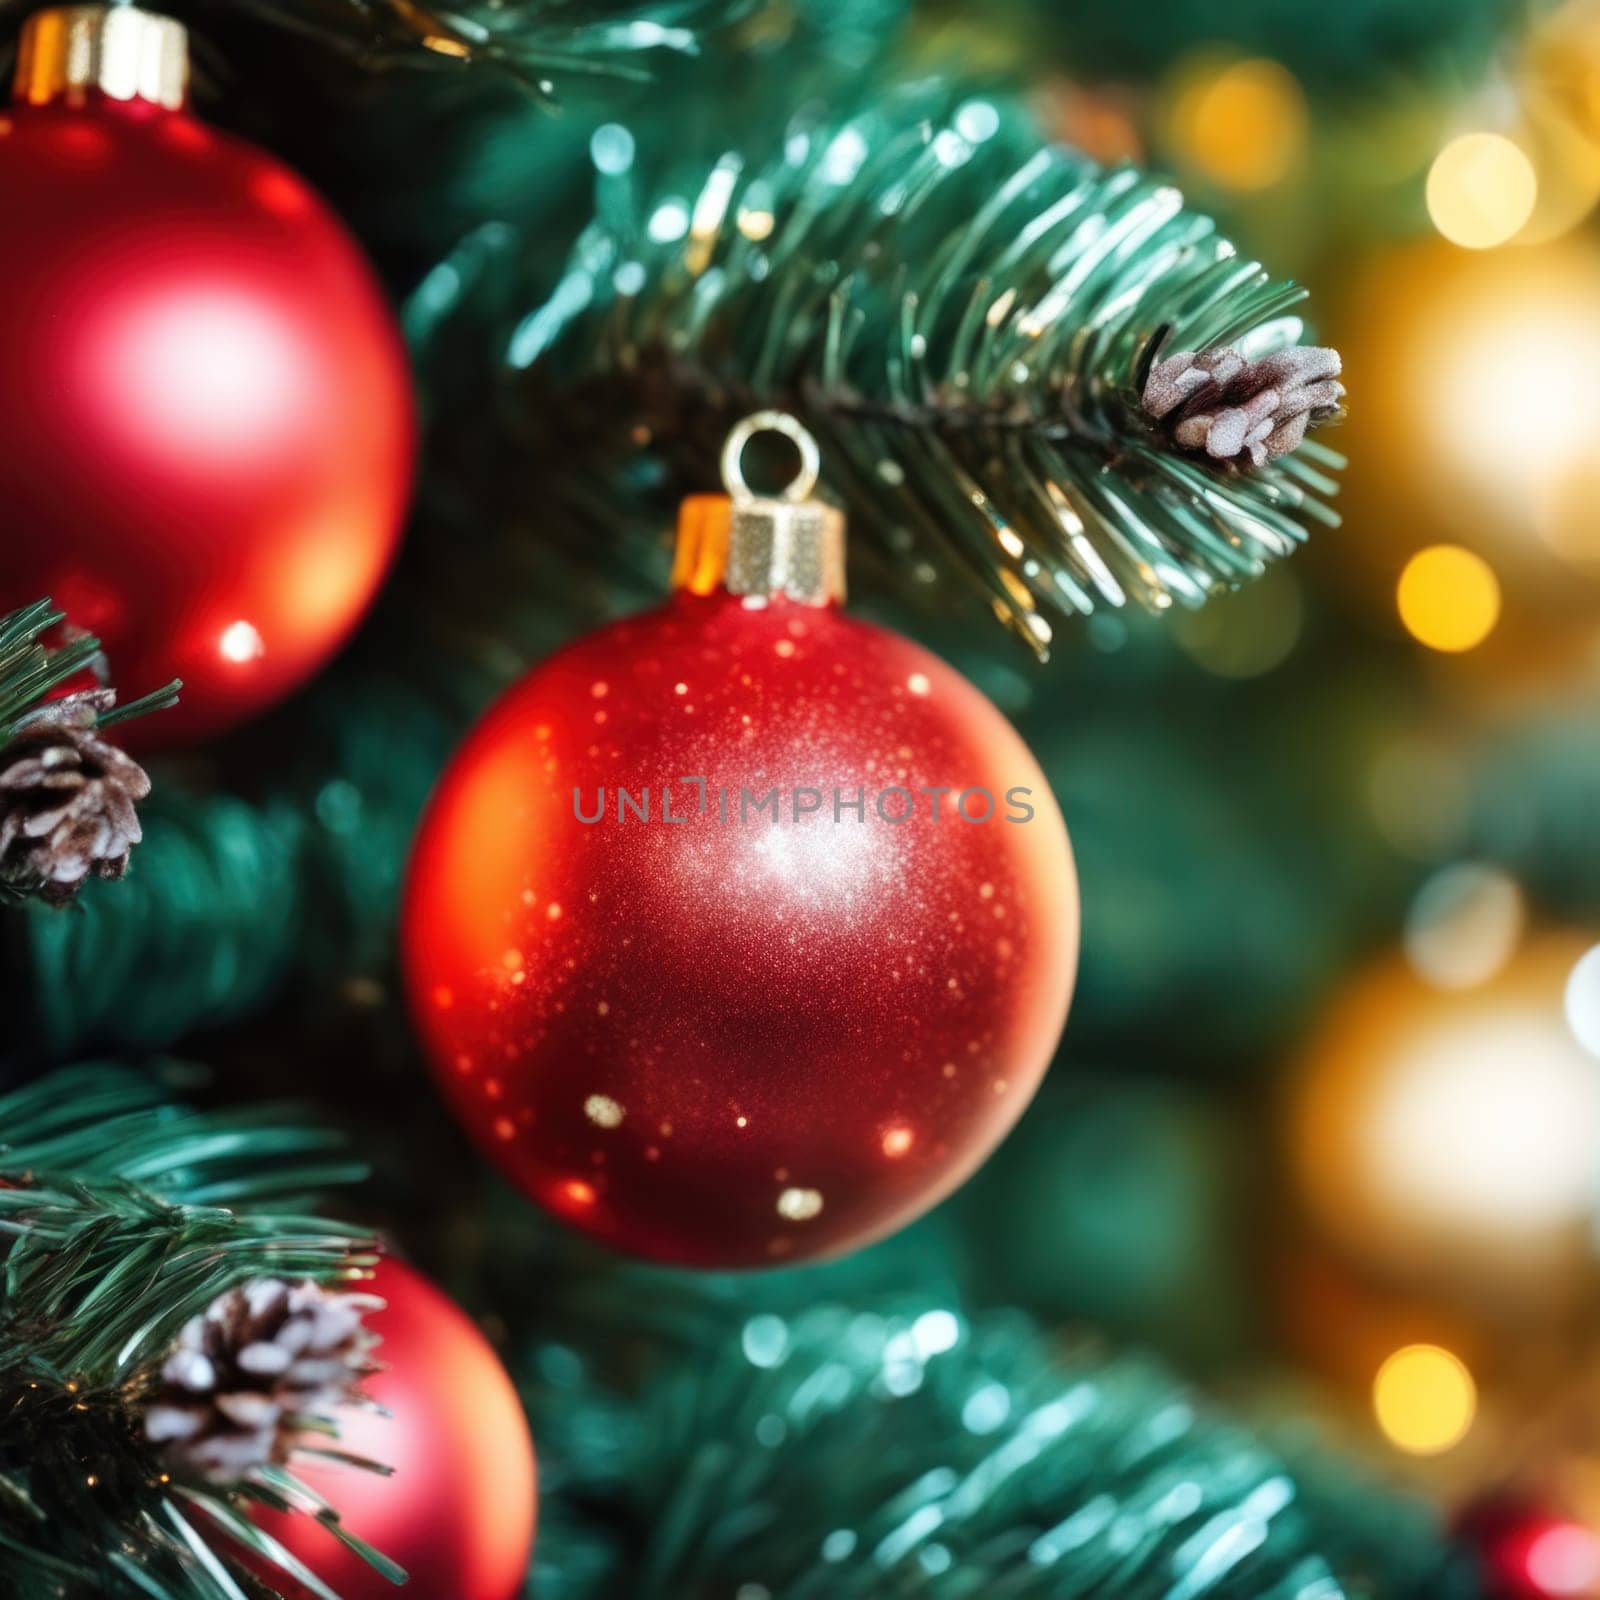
1489 1123
1583 1001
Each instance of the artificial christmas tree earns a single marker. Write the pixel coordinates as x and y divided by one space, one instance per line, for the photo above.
1072 420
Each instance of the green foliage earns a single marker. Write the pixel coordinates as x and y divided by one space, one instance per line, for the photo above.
126 1215
962 315
203 929
31 671
533 41
232 901
904 1448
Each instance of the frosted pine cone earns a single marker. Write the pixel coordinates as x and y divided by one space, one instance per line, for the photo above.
66 800
1217 404
249 1372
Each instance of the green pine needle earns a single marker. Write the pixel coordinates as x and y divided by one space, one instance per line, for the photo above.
535 42
31 670
127 1215
904 1450
962 316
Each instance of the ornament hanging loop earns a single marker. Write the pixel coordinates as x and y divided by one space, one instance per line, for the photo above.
120 51
762 547
804 481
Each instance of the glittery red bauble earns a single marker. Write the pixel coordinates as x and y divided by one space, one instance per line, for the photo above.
206 424
736 1042
458 1511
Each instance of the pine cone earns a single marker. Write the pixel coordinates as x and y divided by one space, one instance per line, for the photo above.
249 1373
1218 404
66 800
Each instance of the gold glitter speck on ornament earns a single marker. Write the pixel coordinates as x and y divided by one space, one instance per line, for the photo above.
603 1111
799 1205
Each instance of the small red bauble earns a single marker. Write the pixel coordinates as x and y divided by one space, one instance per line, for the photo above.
458 1511
206 423
712 1037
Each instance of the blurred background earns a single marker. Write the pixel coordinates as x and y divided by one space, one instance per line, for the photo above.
1327 1121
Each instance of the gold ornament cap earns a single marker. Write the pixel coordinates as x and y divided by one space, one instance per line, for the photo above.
124 53
757 545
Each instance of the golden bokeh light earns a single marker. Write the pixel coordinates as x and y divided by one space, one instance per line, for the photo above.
1478 374
1424 1399
1564 513
1242 123
1563 59
1481 189
1567 164
1449 1139
1449 598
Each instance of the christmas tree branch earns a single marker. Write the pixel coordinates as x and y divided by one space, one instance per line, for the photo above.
970 322
127 1218
31 671
902 1448
238 897
66 796
534 41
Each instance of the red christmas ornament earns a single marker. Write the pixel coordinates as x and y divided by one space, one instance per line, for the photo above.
741 1031
206 425
458 1511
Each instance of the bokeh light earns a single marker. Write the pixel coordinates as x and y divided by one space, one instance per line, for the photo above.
1518 392
1463 925
1424 1399
1474 1123
1241 123
1478 425
1249 632
1563 1559
1564 513
1564 55
1451 1137
1420 794
1449 598
1481 190
1583 1001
